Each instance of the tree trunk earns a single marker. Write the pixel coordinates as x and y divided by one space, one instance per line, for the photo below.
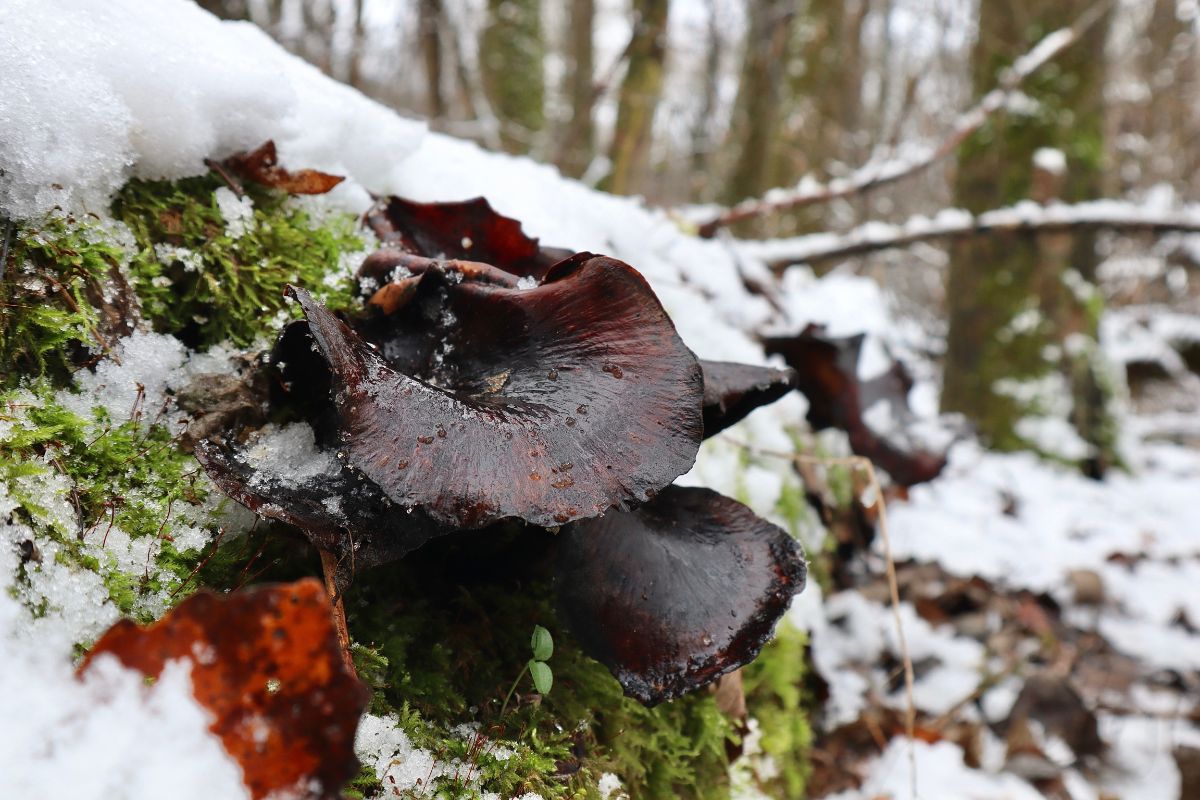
429 31
511 53
754 132
1020 308
702 127
826 86
640 92
579 135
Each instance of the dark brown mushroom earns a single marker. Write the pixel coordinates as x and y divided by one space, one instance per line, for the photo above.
338 511
548 404
301 386
469 230
827 371
678 592
732 391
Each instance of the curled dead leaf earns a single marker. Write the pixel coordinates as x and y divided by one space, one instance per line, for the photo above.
827 371
261 165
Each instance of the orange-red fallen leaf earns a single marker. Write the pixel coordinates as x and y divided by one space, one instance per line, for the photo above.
266 663
262 166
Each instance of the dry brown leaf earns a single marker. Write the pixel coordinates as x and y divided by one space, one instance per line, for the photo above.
266 663
262 166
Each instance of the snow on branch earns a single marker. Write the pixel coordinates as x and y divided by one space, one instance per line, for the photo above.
916 159
1027 216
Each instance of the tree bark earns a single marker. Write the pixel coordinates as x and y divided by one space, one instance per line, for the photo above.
579 136
1011 306
429 31
703 140
640 93
754 132
226 9
511 54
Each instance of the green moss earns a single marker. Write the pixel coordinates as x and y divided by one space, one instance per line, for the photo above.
218 287
127 476
47 321
776 696
441 635
795 509
444 634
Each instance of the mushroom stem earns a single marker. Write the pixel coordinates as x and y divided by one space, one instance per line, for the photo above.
329 568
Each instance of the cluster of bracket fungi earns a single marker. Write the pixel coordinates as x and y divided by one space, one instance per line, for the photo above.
490 379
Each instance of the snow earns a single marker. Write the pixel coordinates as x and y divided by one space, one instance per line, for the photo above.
238 212
108 735
1070 521
291 450
381 743
610 787
186 88
1050 159
132 382
937 767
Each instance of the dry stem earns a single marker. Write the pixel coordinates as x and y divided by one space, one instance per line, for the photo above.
864 464
329 569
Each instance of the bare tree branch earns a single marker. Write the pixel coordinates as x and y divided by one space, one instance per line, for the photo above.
875 174
1025 217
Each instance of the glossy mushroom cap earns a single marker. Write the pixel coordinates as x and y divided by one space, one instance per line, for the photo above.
732 391
482 401
678 592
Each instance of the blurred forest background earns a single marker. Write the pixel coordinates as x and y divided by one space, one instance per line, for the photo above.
843 114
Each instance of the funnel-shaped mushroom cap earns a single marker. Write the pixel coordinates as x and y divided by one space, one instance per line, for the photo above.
333 506
469 230
547 404
732 391
678 592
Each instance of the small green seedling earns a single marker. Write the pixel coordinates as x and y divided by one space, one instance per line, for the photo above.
542 645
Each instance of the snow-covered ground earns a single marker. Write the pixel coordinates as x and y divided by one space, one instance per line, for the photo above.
93 94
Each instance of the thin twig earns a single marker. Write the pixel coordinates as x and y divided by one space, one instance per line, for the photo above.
232 182
910 712
872 176
74 307
160 535
242 576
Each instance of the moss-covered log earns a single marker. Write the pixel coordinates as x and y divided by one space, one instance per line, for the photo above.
439 637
